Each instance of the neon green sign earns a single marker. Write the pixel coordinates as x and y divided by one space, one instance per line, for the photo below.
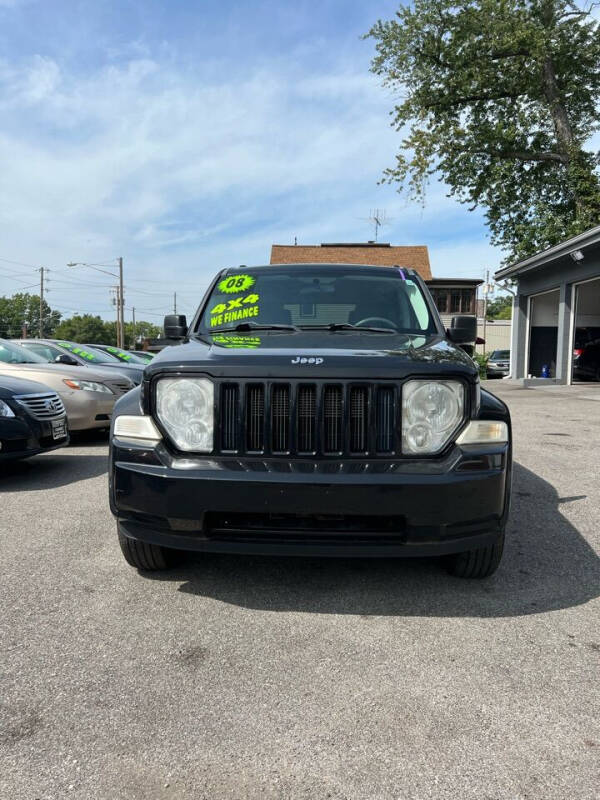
236 284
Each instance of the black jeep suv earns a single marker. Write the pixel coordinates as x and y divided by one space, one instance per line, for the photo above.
313 409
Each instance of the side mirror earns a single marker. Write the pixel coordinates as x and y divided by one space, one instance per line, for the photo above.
64 358
463 329
175 326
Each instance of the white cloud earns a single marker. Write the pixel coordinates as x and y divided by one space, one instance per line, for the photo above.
183 173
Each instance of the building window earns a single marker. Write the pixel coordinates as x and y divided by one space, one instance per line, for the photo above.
454 301
440 297
467 301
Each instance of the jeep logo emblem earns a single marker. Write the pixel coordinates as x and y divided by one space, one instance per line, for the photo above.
305 360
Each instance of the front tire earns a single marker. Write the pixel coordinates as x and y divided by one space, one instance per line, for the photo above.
479 563
143 555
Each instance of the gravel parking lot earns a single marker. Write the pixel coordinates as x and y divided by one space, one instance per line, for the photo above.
301 678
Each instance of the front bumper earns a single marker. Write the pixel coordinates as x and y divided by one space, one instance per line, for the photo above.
22 437
497 372
353 507
88 410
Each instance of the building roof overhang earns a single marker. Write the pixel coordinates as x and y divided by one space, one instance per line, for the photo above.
579 242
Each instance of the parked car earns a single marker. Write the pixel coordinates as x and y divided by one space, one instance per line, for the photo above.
89 396
498 364
126 356
586 355
32 419
313 409
79 355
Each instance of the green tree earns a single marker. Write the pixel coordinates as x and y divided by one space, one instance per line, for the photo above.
499 97
25 308
87 329
500 308
143 330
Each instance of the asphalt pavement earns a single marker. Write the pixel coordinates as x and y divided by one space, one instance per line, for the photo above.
238 677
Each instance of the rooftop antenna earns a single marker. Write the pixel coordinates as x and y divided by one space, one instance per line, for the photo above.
377 217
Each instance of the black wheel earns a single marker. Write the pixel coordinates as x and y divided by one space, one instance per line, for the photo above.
145 556
479 563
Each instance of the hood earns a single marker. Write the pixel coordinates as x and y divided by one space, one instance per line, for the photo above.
58 371
316 354
12 386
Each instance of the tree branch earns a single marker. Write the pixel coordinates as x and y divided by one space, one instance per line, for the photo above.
473 98
523 155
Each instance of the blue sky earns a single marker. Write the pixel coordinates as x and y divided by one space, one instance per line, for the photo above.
187 136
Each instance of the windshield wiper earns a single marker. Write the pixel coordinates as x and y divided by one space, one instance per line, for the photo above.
253 326
346 326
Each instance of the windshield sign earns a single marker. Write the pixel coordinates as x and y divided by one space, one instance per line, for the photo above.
87 353
319 297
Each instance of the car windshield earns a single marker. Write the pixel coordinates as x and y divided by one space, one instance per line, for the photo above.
501 355
14 354
87 353
320 297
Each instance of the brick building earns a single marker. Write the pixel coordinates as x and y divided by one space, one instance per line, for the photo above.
377 254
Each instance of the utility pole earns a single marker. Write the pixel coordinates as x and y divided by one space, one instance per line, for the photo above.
174 302
486 289
134 336
121 330
41 271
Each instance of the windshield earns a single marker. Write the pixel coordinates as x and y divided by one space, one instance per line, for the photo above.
14 354
309 296
87 353
501 355
123 355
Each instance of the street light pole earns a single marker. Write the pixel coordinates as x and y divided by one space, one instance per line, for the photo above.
120 296
121 307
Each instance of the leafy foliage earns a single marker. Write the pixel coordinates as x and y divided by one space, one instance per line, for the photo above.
25 308
500 308
500 97
90 329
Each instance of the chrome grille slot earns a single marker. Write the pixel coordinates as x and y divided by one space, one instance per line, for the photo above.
385 419
43 406
280 418
255 417
306 421
359 420
229 408
333 415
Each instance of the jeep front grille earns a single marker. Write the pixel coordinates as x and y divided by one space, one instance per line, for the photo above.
307 418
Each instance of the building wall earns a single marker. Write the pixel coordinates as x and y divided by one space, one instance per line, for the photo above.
560 274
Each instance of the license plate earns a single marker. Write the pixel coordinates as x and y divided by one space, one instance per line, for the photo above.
59 428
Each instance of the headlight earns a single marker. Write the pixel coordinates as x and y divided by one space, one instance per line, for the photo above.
431 412
5 410
185 407
87 386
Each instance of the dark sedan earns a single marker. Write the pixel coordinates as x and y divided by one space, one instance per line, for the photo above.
586 355
32 419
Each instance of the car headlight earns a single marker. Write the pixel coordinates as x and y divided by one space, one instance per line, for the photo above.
431 412
87 386
184 406
5 410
